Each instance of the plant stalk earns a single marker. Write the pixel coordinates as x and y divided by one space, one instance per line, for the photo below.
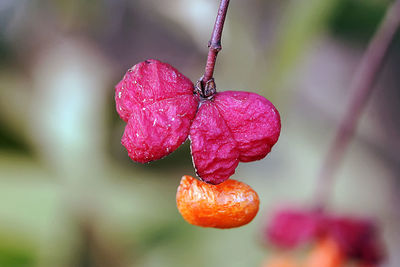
361 88
206 82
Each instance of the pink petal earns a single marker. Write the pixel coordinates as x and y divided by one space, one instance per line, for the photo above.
214 150
290 228
158 103
253 120
357 237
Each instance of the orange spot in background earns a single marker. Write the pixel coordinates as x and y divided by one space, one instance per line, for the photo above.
281 261
326 253
226 205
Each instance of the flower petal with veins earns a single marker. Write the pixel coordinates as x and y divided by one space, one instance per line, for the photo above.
214 150
158 104
232 127
253 120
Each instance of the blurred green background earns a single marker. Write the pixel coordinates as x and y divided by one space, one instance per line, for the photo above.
70 195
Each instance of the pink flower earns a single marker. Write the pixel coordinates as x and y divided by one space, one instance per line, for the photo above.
357 238
161 110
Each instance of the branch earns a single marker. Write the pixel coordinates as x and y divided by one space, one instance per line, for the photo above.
361 87
206 86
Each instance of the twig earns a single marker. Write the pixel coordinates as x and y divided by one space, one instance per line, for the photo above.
361 87
206 85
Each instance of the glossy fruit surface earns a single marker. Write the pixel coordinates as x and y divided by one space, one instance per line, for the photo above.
227 205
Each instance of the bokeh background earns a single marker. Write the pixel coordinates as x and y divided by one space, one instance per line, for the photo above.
70 195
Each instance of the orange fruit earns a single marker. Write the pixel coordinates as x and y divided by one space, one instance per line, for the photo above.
326 253
226 205
280 261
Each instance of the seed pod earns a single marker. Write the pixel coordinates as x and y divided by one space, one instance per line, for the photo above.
231 127
158 104
357 237
289 228
226 205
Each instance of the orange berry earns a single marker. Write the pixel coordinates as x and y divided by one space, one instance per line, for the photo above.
327 253
226 205
281 261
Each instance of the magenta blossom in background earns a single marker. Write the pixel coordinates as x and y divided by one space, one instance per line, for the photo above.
290 228
357 237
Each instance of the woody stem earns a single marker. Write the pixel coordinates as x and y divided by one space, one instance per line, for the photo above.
361 88
215 43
